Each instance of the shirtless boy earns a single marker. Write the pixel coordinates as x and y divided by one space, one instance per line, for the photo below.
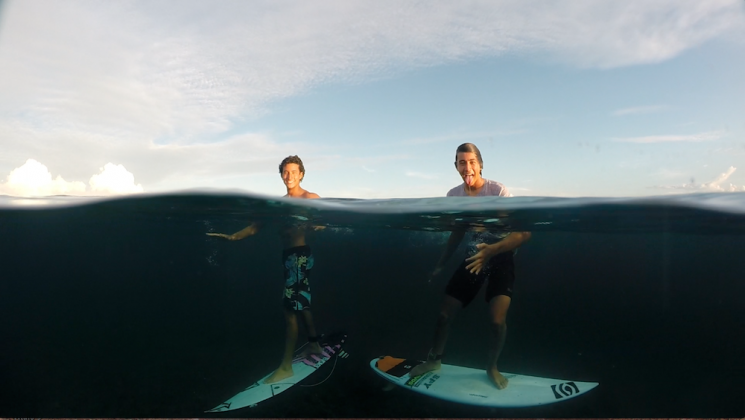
298 261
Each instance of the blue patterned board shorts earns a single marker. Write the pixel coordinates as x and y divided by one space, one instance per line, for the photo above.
298 261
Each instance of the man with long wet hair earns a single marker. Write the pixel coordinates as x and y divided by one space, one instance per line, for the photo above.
298 261
490 260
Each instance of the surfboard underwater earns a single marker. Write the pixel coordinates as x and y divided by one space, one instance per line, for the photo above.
302 367
472 386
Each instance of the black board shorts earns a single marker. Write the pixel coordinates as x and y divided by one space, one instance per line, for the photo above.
499 274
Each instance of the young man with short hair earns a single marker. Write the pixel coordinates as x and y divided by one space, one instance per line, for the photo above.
298 261
490 260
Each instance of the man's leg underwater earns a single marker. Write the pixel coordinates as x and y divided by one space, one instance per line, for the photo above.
498 307
448 309
313 346
285 367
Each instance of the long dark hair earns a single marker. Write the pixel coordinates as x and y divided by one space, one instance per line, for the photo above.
470 148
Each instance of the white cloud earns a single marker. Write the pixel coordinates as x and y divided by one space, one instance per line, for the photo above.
463 137
647 109
717 185
156 86
158 167
668 173
146 66
421 175
33 179
114 179
707 136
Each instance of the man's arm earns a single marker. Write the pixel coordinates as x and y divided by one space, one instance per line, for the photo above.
311 196
486 251
244 233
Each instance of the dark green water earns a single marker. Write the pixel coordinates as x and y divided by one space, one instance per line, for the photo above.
125 308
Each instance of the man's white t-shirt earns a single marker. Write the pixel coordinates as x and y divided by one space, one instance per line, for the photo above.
490 188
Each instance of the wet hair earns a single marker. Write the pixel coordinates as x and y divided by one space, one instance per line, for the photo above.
470 148
292 159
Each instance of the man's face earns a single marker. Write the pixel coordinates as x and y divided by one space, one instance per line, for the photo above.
291 175
468 167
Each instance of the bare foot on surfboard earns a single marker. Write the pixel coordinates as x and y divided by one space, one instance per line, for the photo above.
313 348
278 375
425 367
497 378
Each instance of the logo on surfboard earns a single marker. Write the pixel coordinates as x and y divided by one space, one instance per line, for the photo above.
431 381
422 380
566 389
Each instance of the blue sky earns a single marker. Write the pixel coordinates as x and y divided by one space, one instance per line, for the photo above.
574 98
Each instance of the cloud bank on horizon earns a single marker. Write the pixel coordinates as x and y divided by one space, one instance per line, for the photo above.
716 185
33 179
160 87
699 137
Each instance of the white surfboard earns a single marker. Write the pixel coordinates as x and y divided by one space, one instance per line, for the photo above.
472 386
302 367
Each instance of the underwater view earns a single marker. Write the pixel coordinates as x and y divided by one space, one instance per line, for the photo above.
127 308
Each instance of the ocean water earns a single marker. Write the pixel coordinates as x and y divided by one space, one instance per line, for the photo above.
125 308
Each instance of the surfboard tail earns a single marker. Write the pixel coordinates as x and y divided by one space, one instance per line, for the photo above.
303 366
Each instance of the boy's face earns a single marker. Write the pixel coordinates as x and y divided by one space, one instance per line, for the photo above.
469 168
291 175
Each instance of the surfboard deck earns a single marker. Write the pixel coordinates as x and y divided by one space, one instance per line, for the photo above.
302 367
472 386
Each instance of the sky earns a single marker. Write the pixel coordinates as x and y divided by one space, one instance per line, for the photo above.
577 98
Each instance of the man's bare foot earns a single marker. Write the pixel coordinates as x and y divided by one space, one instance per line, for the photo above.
278 375
497 379
313 348
425 367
